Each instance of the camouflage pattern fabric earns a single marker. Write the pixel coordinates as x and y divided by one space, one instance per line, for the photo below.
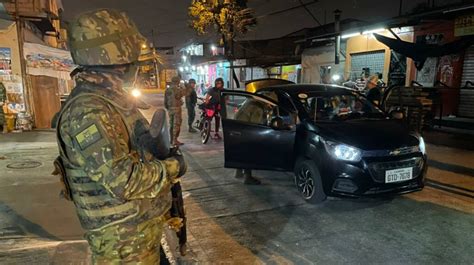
117 189
127 244
176 119
191 100
173 102
3 99
104 37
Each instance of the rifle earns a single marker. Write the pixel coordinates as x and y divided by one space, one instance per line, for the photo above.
157 142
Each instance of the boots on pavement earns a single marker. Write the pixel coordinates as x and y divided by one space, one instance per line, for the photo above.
249 180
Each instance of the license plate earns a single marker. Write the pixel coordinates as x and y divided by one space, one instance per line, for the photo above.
398 175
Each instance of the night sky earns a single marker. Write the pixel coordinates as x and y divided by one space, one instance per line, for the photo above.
168 18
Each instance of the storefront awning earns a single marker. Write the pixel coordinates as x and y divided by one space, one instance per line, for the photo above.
48 61
420 52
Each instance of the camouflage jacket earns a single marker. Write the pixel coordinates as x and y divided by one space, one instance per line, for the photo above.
174 97
110 179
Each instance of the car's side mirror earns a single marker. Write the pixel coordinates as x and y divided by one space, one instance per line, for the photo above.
398 115
277 123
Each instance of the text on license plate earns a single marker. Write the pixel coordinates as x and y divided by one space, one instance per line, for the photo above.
397 175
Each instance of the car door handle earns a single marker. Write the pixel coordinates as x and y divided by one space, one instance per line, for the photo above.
234 133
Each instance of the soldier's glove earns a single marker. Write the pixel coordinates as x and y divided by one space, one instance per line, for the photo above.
178 155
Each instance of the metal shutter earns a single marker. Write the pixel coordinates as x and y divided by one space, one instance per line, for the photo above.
466 96
374 60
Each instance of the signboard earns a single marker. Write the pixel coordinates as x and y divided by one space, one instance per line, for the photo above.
464 26
5 61
48 61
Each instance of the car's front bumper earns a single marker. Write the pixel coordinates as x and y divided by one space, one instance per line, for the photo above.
360 179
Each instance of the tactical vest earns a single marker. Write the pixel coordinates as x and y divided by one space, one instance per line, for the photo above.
95 206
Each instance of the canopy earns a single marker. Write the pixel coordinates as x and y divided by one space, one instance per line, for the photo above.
420 52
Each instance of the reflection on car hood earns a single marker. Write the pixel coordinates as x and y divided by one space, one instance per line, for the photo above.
369 134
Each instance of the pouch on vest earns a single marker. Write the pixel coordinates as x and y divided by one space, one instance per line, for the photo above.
61 171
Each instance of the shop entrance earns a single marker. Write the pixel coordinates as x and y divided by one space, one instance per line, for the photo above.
46 100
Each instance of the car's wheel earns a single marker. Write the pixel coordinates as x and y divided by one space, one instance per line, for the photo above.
206 131
308 181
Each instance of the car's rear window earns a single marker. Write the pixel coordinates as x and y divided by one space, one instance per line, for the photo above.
331 106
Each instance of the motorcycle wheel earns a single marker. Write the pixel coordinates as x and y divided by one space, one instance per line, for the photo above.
206 131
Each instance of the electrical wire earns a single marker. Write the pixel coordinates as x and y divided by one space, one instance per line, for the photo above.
309 12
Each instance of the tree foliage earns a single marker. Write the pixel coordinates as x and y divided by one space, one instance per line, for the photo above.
228 17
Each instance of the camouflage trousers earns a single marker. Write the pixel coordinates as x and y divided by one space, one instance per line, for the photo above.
176 119
127 243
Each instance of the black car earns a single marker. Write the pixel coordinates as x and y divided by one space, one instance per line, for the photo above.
335 141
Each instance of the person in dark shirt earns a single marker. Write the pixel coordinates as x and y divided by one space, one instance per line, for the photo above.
374 94
213 99
191 100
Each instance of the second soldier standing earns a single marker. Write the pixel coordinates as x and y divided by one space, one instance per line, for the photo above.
191 100
173 103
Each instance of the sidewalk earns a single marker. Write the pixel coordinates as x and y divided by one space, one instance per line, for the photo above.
461 139
36 225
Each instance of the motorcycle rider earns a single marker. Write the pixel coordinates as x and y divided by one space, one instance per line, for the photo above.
121 192
213 99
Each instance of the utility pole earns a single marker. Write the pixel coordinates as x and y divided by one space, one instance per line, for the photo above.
155 60
19 32
400 9
337 29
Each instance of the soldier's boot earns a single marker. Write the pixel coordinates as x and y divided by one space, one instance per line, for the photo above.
191 129
239 173
249 180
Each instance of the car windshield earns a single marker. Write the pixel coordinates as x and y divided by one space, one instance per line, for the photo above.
337 107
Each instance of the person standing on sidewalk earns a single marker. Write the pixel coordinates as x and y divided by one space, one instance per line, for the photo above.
173 103
213 99
374 93
3 102
121 192
191 101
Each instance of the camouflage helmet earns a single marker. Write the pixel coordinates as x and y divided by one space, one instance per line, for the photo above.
104 37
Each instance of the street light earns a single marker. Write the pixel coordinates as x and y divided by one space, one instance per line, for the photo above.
181 69
143 46
373 31
184 58
213 48
350 35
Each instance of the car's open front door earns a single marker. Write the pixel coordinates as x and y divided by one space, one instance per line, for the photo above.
255 136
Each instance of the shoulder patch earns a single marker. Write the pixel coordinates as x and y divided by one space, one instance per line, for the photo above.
88 136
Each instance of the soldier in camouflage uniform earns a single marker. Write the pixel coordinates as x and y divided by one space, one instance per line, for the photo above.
173 103
3 101
121 192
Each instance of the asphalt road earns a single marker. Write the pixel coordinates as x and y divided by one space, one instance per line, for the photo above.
232 223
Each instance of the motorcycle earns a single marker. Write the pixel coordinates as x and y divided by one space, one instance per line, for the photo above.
203 124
